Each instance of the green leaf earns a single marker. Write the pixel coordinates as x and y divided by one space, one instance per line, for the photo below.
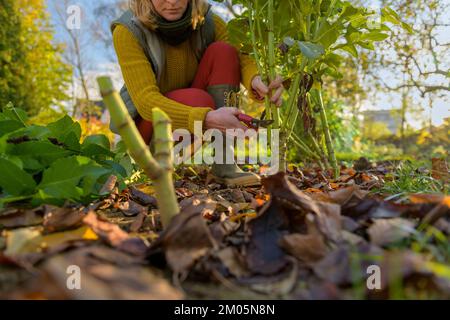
96 145
366 45
349 12
43 151
32 132
238 30
374 36
407 27
98 139
311 50
390 15
96 152
72 142
12 113
328 34
14 180
62 180
117 168
63 127
9 126
350 48
333 60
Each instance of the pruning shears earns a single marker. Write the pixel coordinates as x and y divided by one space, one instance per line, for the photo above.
253 122
232 99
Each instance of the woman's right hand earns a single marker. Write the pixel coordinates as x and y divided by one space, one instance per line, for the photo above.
223 119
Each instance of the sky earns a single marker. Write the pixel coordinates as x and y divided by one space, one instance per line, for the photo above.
101 61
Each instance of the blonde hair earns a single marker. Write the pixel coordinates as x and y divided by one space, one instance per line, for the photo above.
145 12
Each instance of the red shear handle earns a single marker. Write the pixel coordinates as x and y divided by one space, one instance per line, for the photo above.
245 118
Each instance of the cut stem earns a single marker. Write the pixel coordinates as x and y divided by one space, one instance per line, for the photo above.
159 169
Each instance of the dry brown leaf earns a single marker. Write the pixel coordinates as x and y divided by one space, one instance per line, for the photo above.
262 252
233 262
187 238
60 219
307 248
440 170
346 196
427 198
106 274
109 185
30 240
387 231
138 222
142 197
130 208
17 218
109 232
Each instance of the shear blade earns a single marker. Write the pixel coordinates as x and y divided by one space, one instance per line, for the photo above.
265 123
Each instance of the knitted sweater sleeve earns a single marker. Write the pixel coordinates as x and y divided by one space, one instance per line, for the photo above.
142 85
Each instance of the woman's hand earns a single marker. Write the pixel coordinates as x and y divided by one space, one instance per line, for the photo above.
262 89
223 119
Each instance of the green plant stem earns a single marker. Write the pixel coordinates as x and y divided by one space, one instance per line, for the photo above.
305 147
271 60
302 146
326 132
159 169
317 148
293 93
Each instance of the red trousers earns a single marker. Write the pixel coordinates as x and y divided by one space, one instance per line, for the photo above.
219 65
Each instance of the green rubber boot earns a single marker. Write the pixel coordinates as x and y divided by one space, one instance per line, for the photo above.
230 174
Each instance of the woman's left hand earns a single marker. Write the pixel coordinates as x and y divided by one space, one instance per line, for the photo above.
262 89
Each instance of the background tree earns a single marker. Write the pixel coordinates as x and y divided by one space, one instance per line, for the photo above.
12 56
75 50
47 77
414 65
105 12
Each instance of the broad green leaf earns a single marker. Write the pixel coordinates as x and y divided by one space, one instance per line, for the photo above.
350 49
95 151
43 151
238 30
348 12
407 27
390 15
32 132
96 145
98 139
14 159
328 34
366 45
333 60
32 165
289 41
63 127
14 180
311 50
374 36
9 126
118 168
92 174
72 142
13 113
62 180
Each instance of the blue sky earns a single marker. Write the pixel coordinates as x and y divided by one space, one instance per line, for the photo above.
102 60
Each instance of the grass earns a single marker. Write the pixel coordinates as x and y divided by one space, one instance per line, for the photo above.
412 177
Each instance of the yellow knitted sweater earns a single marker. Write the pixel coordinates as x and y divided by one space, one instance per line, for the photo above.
180 69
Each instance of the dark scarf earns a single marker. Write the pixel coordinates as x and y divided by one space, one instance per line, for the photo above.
175 32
